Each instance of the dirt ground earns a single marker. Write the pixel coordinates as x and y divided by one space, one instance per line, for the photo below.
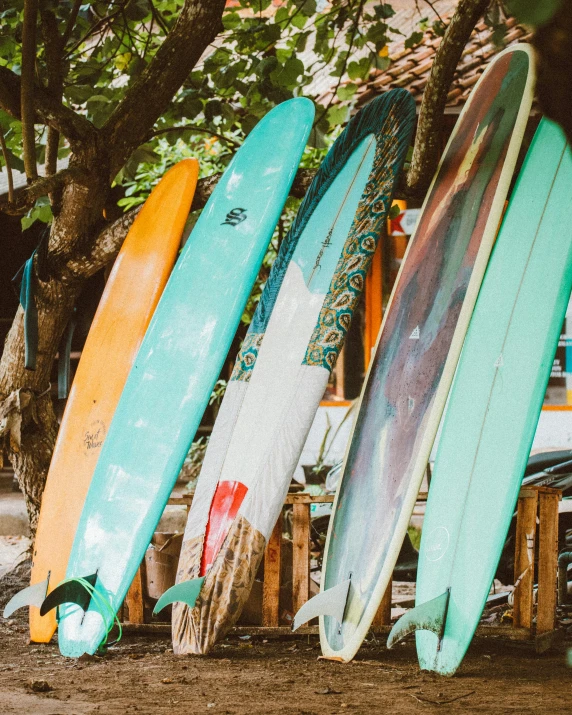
141 675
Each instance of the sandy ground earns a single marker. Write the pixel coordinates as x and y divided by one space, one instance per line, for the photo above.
13 550
141 675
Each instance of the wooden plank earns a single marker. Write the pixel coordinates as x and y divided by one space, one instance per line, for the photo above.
383 615
303 498
547 562
309 499
134 599
524 559
271 587
186 500
339 374
544 490
508 632
300 555
163 630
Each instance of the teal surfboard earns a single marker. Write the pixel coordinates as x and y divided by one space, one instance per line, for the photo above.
494 406
175 370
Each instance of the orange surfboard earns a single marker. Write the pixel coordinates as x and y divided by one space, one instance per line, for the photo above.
133 290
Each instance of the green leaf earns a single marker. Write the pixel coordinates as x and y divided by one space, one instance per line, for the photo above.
231 20
299 21
384 10
346 91
359 70
309 8
213 109
413 39
266 66
337 115
394 211
288 74
248 123
534 12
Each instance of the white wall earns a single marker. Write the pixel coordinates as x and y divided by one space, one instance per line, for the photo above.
554 431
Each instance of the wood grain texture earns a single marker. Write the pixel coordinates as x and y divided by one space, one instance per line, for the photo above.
525 545
271 588
300 555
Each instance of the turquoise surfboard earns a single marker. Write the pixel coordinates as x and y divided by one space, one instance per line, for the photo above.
494 406
175 370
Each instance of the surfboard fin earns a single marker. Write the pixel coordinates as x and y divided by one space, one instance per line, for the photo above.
71 591
30 596
185 592
429 616
331 602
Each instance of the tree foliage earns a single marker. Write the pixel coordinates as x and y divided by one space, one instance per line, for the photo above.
88 56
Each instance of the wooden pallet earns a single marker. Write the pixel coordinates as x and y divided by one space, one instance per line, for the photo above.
536 537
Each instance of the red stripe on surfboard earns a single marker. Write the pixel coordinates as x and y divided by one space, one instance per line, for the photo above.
225 505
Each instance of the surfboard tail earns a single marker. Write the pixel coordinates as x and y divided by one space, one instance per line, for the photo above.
184 592
428 616
73 590
31 596
331 602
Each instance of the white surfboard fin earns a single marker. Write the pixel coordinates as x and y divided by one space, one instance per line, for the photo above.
429 616
30 596
184 592
331 602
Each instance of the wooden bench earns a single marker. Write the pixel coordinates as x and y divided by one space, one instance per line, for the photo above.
536 538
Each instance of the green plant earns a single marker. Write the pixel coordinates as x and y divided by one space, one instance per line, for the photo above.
194 462
325 447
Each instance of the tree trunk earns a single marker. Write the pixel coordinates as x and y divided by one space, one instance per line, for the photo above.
54 298
77 245
427 147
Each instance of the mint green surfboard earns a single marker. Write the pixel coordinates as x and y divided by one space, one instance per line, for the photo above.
494 406
176 368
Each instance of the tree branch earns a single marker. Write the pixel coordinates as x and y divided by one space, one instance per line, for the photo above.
71 22
27 91
48 111
8 166
26 197
192 128
127 127
428 139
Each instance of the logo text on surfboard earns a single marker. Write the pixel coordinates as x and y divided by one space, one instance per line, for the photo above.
326 243
93 437
234 217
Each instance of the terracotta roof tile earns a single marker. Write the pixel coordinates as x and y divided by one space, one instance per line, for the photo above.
423 67
410 67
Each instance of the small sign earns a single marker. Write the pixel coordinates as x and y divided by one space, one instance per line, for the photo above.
404 224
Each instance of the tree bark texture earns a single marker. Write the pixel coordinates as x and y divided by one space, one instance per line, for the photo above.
78 246
427 148
27 93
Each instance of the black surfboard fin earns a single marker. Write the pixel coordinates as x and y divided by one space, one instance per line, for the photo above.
70 591
331 602
31 596
184 592
429 616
